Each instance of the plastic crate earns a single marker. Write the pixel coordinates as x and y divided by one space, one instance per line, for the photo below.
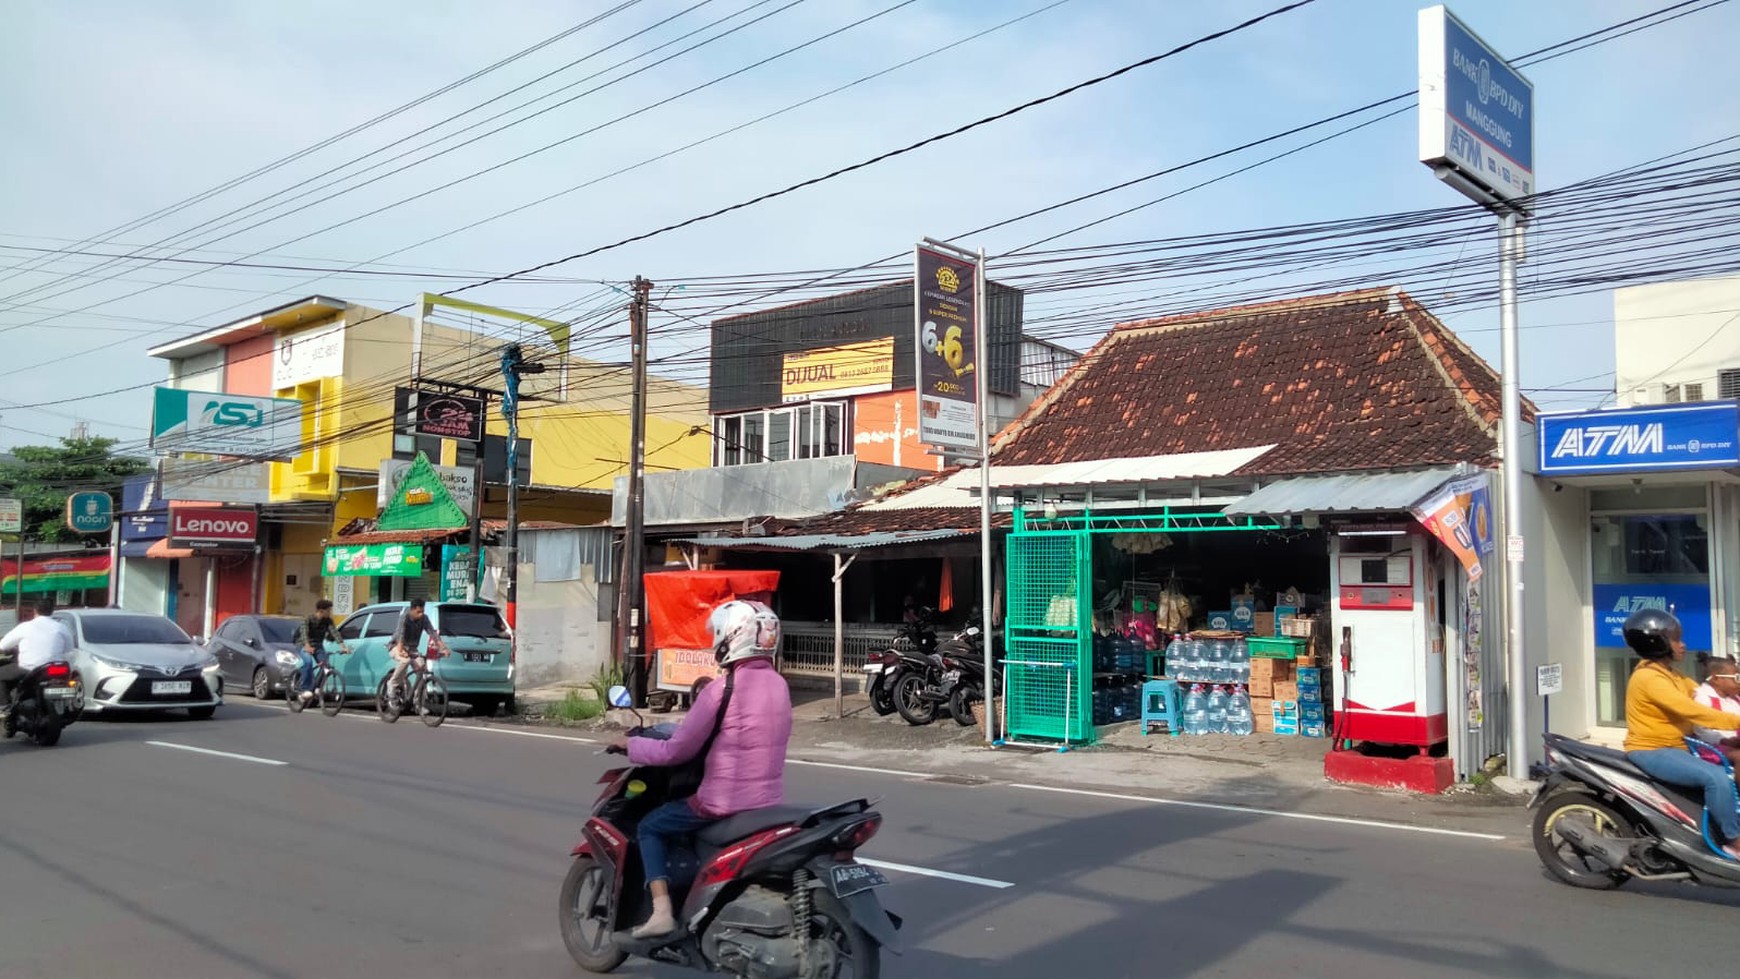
1275 647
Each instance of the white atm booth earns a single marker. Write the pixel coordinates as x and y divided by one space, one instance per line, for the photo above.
1386 645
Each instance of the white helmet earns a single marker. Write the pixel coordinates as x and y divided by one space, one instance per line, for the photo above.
743 630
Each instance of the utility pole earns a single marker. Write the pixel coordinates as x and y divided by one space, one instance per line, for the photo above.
628 588
513 365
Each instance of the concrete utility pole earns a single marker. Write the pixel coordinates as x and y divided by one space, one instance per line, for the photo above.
513 366
635 662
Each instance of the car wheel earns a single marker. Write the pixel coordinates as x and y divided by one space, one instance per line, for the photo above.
262 685
201 713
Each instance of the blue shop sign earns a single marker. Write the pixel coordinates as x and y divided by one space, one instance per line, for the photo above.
1670 437
1689 603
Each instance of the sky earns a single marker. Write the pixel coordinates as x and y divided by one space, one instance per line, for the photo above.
119 110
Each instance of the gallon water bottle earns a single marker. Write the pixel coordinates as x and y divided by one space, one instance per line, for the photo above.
1220 662
1217 712
1241 662
1238 715
1174 658
1195 711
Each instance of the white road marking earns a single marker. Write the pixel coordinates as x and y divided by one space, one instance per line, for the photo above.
941 874
1252 810
526 734
221 754
861 768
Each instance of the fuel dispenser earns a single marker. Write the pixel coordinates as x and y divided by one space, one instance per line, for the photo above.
1389 675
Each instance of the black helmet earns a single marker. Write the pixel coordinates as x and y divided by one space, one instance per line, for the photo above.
1651 633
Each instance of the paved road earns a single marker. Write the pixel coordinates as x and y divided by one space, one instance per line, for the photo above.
402 851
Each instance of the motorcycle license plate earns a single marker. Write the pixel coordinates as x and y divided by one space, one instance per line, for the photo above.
59 691
848 879
874 667
171 686
952 676
477 657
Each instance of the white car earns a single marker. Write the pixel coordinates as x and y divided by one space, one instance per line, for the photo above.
131 661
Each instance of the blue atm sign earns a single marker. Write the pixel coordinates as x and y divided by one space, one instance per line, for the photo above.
1477 113
1697 436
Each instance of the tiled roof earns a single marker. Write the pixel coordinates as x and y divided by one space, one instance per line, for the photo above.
1358 380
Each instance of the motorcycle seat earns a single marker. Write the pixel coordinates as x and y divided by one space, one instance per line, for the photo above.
733 828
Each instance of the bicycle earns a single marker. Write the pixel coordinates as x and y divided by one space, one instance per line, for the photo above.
428 694
328 687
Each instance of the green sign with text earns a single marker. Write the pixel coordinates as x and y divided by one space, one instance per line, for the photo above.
374 560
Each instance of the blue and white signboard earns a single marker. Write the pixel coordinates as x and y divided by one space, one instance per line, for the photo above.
1664 438
1477 114
1689 603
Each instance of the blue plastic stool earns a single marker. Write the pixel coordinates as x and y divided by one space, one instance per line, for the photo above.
1160 703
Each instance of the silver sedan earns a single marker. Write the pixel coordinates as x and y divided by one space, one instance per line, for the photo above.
131 661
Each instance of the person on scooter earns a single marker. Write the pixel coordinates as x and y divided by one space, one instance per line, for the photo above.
746 763
1721 691
1660 711
37 641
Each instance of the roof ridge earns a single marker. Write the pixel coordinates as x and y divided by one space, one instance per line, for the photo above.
1310 303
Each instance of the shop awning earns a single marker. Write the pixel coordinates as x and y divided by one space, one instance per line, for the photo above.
1138 469
1345 493
828 542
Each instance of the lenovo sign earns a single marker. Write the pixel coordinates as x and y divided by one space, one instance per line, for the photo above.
213 526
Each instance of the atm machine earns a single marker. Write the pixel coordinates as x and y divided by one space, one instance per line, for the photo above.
1389 673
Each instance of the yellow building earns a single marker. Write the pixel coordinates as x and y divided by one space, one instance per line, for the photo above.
346 363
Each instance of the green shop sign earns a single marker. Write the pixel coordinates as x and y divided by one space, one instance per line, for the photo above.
374 560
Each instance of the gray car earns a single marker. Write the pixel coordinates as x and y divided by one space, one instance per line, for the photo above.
131 661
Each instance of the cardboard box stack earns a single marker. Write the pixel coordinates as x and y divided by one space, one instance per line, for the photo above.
1313 720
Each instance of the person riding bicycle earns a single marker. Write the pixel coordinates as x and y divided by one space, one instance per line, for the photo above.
746 764
1660 711
312 636
413 626
36 641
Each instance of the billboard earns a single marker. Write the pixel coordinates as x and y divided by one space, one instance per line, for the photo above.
212 423
1459 514
1477 114
213 526
298 358
852 368
216 482
1664 438
885 431
438 414
944 311
373 561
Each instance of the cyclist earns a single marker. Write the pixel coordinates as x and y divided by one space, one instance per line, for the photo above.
413 626
312 636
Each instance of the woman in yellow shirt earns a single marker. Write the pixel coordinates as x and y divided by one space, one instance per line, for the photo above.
1660 711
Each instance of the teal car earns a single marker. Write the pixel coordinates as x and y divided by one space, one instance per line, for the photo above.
479 671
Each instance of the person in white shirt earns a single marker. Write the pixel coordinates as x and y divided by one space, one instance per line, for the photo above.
35 642
1720 690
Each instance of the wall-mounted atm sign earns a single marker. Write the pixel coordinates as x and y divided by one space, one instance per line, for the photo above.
1663 438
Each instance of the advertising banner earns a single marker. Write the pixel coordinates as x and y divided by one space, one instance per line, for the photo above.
1477 114
90 513
458 571
1460 515
461 482
852 368
213 526
438 414
208 423
1664 438
216 482
373 561
310 355
945 305
11 516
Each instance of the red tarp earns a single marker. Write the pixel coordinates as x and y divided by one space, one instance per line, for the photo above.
678 603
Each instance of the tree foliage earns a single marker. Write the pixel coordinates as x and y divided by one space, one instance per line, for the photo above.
41 476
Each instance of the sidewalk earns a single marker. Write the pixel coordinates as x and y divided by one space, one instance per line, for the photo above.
1259 771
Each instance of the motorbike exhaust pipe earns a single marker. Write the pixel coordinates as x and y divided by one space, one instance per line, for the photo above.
1611 852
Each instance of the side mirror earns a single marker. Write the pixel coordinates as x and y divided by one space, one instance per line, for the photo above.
253 642
619 697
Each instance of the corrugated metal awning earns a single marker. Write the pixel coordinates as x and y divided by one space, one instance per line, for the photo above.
828 542
1347 493
1138 469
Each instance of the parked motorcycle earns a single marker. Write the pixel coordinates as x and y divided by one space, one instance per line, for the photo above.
1601 821
928 687
44 703
965 657
910 649
772 893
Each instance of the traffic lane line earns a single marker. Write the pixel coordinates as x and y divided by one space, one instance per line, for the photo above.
220 754
939 874
1257 811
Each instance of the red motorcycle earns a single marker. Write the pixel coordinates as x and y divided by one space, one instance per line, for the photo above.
772 893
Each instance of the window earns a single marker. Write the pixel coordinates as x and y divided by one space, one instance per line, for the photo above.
381 624
231 630
126 630
280 630
352 628
1728 383
472 622
1670 394
806 431
1694 392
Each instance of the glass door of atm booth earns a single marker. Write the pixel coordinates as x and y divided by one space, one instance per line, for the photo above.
1390 682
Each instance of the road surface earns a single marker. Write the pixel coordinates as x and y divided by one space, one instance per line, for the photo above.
305 846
